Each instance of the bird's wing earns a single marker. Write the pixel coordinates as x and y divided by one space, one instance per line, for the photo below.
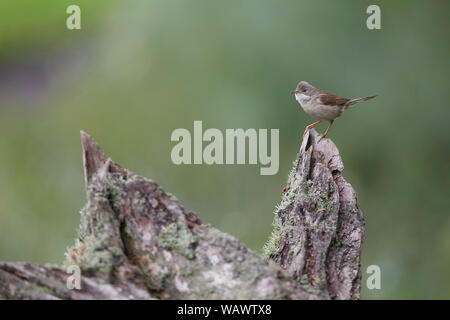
331 99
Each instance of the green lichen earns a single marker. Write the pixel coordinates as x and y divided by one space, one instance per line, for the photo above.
293 171
313 285
177 237
153 202
158 273
138 202
304 280
247 267
295 249
172 197
193 274
323 201
95 254
97 249
129 240
272 245
133 178
113 194
332 187
336 242
280 231
32 290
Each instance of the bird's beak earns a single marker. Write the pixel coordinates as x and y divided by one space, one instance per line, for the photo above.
294 92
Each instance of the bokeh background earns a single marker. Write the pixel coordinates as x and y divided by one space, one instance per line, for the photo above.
137 70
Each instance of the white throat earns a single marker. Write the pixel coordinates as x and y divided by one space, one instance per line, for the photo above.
302 98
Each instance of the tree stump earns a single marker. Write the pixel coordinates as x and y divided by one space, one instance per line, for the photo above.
137 241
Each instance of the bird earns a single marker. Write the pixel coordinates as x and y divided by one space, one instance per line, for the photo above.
322 105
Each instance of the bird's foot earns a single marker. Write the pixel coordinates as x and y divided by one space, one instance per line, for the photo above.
304 133
321 136
309 127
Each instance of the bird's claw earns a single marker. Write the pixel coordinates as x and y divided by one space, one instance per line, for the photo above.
321 136
304 134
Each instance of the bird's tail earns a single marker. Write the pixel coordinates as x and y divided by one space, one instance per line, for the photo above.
353 101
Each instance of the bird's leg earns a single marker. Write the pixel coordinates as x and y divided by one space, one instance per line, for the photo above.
326 132
310 127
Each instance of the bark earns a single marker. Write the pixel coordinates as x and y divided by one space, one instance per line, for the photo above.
318 226
137 241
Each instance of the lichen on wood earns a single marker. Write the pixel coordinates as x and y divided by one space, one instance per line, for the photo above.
137 241
319 227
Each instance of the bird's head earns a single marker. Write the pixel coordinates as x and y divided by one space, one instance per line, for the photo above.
303 87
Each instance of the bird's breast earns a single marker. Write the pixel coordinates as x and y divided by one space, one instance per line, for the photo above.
318 110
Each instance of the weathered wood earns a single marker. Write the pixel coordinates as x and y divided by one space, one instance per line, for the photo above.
318 226
138 242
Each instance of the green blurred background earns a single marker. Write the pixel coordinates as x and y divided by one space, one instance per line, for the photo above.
137 70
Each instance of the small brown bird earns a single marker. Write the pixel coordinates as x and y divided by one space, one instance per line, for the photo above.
322 105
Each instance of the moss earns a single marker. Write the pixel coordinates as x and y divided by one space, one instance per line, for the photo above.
177 237
279 233
272 245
